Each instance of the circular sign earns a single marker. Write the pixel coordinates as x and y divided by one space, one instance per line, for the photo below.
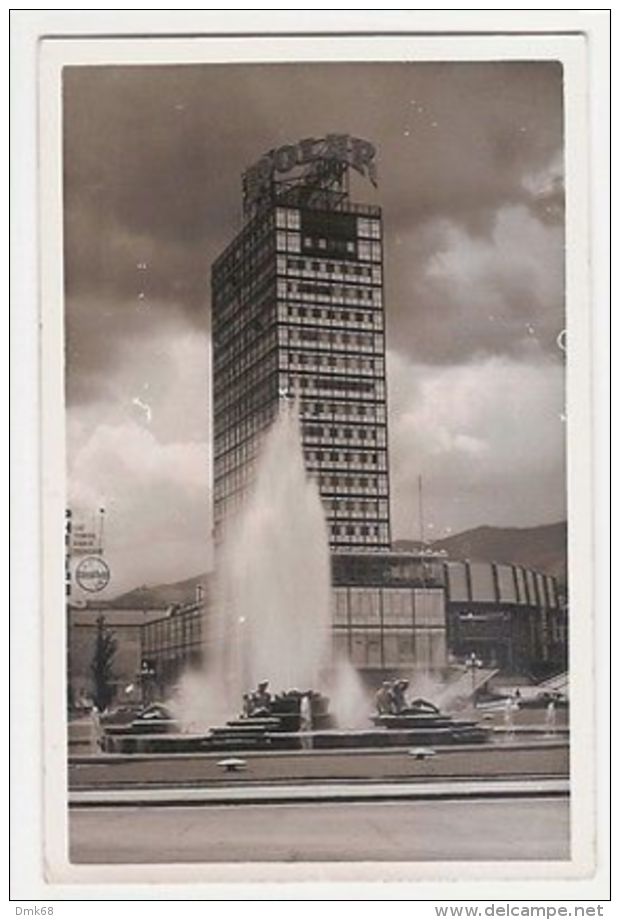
92 574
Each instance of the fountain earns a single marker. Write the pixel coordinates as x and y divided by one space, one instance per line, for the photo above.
511 706
272 630
550 719
274 576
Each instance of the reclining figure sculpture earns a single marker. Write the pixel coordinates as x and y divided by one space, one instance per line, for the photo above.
391 699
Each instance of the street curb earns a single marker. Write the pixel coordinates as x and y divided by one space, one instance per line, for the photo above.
333 792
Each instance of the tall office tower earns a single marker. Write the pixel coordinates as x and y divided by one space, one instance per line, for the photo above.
297 310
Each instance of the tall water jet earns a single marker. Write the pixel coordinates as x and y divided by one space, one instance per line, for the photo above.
351 703
273 618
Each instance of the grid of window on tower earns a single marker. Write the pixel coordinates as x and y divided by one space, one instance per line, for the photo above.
298 310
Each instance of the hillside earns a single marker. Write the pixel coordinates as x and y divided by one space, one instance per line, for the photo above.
542 548
178 592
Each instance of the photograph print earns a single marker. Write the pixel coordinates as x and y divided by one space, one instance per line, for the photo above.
317 594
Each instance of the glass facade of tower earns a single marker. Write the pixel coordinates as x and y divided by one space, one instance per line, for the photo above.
297 302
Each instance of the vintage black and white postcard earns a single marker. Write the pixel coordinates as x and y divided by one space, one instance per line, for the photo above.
317 586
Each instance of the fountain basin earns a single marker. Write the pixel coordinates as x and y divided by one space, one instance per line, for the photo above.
264 735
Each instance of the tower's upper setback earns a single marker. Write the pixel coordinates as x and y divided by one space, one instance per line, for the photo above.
297 303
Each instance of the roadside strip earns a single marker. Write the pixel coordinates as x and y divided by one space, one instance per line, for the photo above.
326 792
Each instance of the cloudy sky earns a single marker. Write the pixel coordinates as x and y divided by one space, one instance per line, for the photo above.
471 185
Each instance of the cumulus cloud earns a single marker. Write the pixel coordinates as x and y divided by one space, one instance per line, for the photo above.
156 500
487 439
140 447
159 358
468 295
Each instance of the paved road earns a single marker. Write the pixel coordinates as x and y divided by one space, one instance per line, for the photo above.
530 829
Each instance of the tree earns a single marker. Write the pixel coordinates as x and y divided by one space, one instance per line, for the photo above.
101 667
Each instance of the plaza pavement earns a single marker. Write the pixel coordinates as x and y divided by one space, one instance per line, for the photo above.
493 830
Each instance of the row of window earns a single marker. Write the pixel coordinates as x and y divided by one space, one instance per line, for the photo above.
290 219
332 246
174 631
358 507
359 533
423 648
346 459
364 250
343 411
333 386
361 434
369 228
328 269
357 319
393 606
348 484
510 584
340 340
288 242
331 361
311 292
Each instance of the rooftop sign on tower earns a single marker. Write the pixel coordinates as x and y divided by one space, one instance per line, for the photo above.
316 165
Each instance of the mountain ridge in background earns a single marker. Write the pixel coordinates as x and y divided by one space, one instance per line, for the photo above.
542 548
177 592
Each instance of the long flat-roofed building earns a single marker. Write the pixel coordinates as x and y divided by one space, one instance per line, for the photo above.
401 612
297 310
